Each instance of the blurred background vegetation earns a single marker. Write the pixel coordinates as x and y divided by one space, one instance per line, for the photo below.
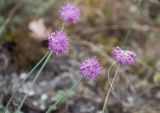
105 24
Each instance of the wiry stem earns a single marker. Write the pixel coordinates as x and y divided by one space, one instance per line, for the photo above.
21 83
63 96
106 99
62 28
109 72
34 80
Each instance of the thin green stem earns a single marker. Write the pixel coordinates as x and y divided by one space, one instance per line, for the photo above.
52 107
62 28
106 99
21 83
34 81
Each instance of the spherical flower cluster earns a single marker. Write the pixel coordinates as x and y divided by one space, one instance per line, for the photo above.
58 42
124 56
70 13
90 68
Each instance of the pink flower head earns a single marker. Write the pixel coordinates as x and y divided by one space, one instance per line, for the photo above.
124 56
70 13
58 42
90 68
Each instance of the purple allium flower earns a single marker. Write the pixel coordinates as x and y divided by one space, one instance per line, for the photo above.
124 56
70 13
58 42
90 68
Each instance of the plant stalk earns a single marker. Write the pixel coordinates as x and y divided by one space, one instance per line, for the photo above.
34 81
106 99
53 107
21 83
